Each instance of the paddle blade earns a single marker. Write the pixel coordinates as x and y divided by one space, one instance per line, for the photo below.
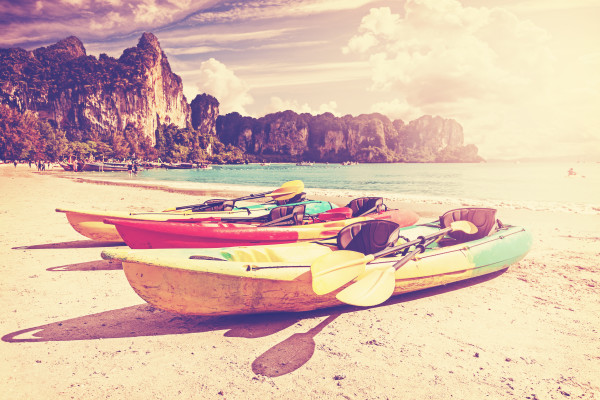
463 226
287 190
333 270
371 288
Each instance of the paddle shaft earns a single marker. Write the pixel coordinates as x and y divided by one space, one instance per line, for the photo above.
420 240
217 203
419 249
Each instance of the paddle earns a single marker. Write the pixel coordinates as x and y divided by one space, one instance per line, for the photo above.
333 270
286 191
377 285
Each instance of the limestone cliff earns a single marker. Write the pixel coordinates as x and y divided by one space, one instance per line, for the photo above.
92 98
288 136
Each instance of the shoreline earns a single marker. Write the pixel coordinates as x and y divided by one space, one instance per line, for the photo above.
72 327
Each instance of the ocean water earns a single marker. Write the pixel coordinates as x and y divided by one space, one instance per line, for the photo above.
535 186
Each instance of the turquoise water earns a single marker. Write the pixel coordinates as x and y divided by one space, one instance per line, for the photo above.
539 186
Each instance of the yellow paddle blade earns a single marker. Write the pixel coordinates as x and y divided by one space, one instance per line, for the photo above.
464 226
371 288
287 190
333 270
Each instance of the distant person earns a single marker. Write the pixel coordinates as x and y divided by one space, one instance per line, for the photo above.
135 168
571 172
15 162
129 168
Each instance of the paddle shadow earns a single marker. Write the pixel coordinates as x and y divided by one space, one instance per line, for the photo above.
96 265
75 244
297 350
291 354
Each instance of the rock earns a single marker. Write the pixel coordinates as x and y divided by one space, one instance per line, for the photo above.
92 98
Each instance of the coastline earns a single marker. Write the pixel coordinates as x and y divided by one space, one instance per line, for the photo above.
73 327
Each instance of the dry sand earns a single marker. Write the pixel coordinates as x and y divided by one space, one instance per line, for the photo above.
72 327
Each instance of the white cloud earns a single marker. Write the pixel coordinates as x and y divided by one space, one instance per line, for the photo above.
216 79
278 104
259 10
472 64
397 109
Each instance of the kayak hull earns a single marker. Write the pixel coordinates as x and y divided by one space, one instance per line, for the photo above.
91 223
277 278
165 234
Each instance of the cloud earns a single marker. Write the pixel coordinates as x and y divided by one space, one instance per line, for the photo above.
397 109
471 64
279 104
32 23
255 10
216 79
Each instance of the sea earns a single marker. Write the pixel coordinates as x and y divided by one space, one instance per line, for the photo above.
525 185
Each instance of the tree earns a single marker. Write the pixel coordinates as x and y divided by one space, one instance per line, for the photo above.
19 136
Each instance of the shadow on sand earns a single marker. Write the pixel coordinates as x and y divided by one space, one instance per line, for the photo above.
96 265
75 244
145 320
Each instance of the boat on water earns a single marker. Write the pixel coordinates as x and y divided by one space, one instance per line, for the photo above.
305 164
179 166
75 166
284 224
105 167
276 278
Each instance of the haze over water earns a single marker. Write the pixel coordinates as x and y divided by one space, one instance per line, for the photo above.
535 186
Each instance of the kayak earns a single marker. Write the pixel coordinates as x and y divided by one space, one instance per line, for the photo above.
91 224
260 279
140 234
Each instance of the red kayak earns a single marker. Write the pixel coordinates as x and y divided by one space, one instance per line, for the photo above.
140 234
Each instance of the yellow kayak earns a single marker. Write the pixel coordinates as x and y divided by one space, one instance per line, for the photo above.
274 278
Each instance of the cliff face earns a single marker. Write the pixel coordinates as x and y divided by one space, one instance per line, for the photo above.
366 138
92 98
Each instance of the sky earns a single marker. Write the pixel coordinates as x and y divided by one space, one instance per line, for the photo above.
522 77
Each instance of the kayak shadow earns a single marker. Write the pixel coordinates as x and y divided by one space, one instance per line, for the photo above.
145 320
75 244
96 265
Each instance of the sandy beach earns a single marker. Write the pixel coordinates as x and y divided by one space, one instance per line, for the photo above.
72 327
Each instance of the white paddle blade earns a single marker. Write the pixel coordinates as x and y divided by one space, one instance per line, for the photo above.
464 226
332 271
371 288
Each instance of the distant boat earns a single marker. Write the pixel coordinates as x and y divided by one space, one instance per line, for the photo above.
350 163
70 166
264 164
106 167
305 164
205 166
179 166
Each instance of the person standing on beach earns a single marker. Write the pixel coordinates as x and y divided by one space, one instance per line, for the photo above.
129 168
15 162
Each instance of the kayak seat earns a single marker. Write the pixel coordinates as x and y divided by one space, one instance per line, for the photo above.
483 218
366 205
286 215
215 205
296 199
368 237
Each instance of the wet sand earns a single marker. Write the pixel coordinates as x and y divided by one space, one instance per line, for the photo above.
72 327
